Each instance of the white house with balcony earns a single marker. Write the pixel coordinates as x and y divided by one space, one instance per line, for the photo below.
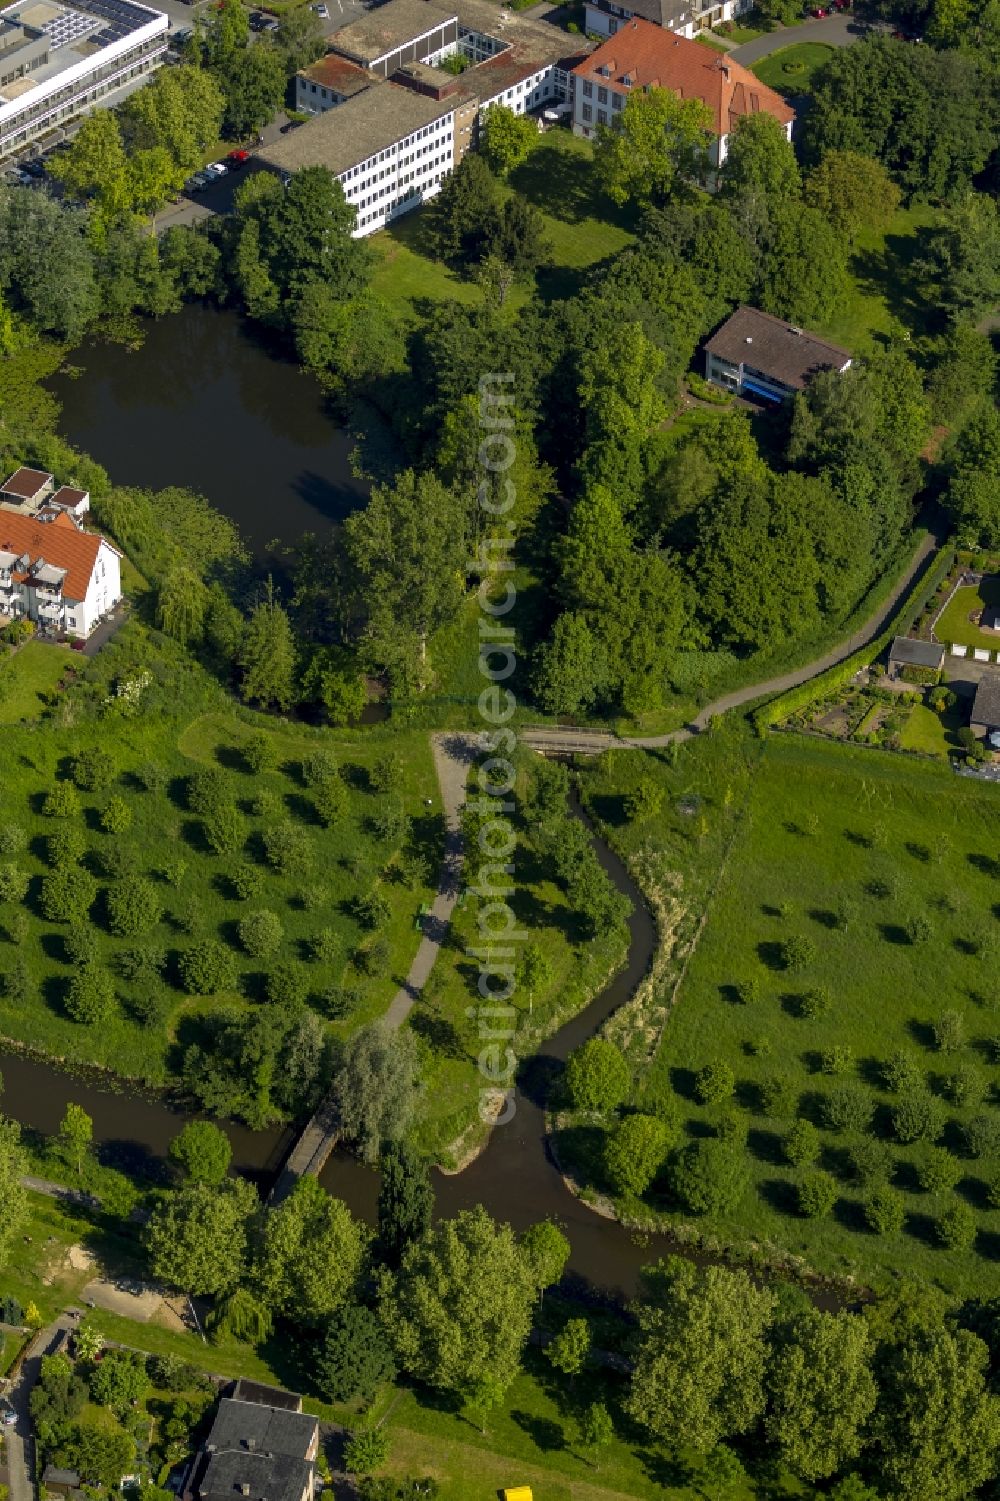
56 574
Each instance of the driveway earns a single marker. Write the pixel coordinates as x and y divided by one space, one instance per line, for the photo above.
833 31
19 1439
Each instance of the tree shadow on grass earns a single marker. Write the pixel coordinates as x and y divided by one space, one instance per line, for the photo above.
921 1032
663 1469
888 273
229 757
780 1195
766 1146
574 198
892 932
824 917
850 1214
544 1433
683 1080
440 1034
921 1227
975 1192
771 954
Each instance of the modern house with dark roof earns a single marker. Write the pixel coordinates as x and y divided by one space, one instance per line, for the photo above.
605 17
643 56
26 487
762 356
906 652
985 719
262 1447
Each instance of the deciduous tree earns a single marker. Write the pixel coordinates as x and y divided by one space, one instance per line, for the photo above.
822 1393
657 142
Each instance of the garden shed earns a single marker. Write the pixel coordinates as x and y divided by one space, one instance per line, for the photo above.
906 652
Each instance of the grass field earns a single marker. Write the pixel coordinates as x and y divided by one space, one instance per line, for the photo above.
198 900
898 841
28 676
790 69
582 224
934 734
955 624
885 295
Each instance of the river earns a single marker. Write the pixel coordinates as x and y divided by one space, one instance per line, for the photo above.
514 1177
206 405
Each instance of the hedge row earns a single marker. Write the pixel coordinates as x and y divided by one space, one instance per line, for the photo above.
786 704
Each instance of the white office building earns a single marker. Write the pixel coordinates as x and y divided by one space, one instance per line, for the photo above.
57 59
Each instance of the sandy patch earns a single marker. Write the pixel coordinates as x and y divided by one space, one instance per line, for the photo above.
133 1300
80 1259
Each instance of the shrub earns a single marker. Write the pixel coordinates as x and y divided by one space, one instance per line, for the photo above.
949 1032
966 1087
797 952
16 982
80 943
260 933
993 1191
816 1195
937 1169
248 881
373 958
208 789
320 766
778 1096
814 1003
919 928
173 870
65 846
14 882
846 914
748 992
116 861
597 1076
372 910
13 839
90 994
267 805
133 907
714 1083
901 1073
330 801
872 1162
708 1175
955 1228
801 1144
917 1116
143 961
387 773
225 830
324 946
644 801
390 824
285 983
849 1107
68 893
93 770
731 1126
634 1153
207 967
116 816
311 898
353 1358
61 801
885 1211
837 1060
288 849
152 776
259 753
982 1135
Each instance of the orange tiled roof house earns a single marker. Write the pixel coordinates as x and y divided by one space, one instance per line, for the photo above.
51 570
643 56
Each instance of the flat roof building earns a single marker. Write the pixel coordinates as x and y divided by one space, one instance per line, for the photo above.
59 57
760 355
398 32
26 486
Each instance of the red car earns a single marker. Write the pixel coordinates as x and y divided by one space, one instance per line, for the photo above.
237 159
819 13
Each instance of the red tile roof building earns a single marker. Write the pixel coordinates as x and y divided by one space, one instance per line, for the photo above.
642 56
55 573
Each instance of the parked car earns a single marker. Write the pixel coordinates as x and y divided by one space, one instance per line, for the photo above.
323 11
34 168
820 13
195 183
269 26
215 170
237 159
8 1417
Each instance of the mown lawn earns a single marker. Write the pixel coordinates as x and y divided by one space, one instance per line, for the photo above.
166 844
28 676
896 840
886 297
582 224
790 70
955 624
934 734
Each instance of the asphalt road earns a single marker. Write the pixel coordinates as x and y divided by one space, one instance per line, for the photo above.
19 1446
833 31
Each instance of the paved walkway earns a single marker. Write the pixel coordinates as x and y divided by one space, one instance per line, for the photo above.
453 754
566 740
833 31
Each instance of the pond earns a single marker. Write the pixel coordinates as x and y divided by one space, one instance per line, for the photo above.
206 404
